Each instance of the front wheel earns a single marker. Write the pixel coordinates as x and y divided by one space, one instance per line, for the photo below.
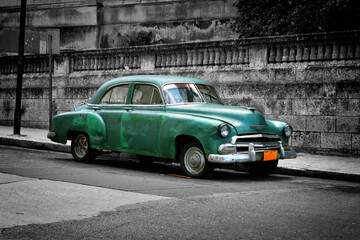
193 162
81 149
261 168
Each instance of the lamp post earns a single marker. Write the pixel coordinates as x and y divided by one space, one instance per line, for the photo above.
20 70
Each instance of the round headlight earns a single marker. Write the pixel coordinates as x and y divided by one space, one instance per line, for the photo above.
224 130
287 130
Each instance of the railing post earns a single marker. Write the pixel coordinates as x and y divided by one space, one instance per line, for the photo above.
357 50
199 57
183 58
122 62
285 54
211 57
217 56
335 54
163 59
62 65
257 55
228 60
178 58
350 51
189 58
292 54
320 53
222 56
148 62
173 58
279 52
313 52
235 56
272 54
299 53
194 57
342 54
328 52
306 56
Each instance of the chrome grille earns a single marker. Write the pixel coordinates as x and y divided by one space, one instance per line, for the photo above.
262 142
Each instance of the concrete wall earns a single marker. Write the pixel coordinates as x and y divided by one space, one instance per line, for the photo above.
77 20
309 81
96 24
169 21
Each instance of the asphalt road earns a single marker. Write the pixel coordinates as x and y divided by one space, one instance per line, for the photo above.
47 195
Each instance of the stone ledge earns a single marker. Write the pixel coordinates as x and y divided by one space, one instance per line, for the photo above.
14 6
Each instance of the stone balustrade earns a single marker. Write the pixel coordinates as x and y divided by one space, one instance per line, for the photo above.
315 47
202 56
316 52
32 64
252 52
162 56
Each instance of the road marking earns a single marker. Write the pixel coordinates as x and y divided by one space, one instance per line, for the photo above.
43 201
180 176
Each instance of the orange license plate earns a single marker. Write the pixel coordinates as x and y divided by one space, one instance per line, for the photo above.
270 155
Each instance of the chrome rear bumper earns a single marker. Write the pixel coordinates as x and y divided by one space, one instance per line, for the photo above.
51 135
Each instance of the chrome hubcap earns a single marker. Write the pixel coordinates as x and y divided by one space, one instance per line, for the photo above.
81 146
194 160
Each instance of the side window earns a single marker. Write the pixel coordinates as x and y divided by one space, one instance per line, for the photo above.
146 94
106 98
116 95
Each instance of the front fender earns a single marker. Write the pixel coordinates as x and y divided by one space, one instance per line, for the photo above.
88 122
276 126
203 129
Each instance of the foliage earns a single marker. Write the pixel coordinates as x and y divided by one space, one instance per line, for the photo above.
281 17
140 38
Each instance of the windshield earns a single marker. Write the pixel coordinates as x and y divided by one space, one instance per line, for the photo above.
177 93
209 94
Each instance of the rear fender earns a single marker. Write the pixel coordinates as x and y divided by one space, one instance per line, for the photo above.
90 123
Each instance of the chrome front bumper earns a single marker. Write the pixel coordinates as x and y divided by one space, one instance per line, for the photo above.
251 156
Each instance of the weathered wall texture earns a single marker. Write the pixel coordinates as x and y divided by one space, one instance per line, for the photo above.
309 81
169 21
95 24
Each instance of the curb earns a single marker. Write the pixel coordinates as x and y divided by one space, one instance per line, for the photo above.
319 174
280 170
25 143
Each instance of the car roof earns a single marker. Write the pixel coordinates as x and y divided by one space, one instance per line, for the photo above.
158 80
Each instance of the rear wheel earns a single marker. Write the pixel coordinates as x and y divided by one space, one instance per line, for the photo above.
81 149
262 168
193 161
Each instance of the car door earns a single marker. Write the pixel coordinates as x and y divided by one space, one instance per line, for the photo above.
142 119
111 108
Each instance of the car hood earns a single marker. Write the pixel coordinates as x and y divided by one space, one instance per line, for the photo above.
245 120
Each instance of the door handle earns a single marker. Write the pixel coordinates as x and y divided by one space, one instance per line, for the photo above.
96 108
128 108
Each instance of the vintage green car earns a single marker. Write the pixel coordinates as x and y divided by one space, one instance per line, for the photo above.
175 118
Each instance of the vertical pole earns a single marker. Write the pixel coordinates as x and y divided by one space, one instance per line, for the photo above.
20 70
50 78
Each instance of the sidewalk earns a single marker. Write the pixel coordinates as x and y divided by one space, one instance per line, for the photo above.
306 164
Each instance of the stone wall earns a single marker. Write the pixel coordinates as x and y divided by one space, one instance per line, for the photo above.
93 24
77 20
310 81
